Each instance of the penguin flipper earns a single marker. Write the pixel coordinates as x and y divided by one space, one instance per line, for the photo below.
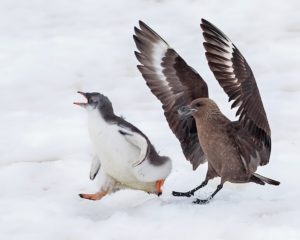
138 141
96 164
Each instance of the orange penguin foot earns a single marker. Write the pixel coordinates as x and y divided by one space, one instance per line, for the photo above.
95 196
158 185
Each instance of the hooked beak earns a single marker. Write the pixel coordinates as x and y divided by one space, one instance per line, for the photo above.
186 111
81 104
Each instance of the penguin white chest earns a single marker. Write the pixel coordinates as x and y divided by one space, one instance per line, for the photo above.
115 153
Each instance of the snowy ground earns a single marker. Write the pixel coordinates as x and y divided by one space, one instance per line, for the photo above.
51 49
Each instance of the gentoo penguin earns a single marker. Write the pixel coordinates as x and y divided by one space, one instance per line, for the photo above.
233 149
125 158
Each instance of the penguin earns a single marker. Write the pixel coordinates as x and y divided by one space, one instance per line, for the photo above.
124 156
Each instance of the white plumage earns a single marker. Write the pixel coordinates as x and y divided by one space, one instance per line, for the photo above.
122 157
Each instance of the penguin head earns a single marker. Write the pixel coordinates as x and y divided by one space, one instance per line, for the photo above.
95 101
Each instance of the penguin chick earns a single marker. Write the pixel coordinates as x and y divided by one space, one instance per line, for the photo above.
125 157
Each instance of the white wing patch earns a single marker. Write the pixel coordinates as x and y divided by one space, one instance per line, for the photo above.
138 141
159 50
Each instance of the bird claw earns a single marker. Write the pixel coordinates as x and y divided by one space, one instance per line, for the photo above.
182 194
201 201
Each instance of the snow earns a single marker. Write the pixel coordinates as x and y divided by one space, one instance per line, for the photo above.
51 49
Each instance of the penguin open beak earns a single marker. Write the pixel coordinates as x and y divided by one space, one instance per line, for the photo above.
81 104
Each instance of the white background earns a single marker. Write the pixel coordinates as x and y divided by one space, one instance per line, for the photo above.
51 49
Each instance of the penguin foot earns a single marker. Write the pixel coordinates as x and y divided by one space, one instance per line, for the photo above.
94 196
158 185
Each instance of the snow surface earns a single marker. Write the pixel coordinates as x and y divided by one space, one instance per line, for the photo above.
51 49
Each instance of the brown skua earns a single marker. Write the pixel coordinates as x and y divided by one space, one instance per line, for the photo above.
233 149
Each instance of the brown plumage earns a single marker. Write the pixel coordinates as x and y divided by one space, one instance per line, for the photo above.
233 149
175 84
